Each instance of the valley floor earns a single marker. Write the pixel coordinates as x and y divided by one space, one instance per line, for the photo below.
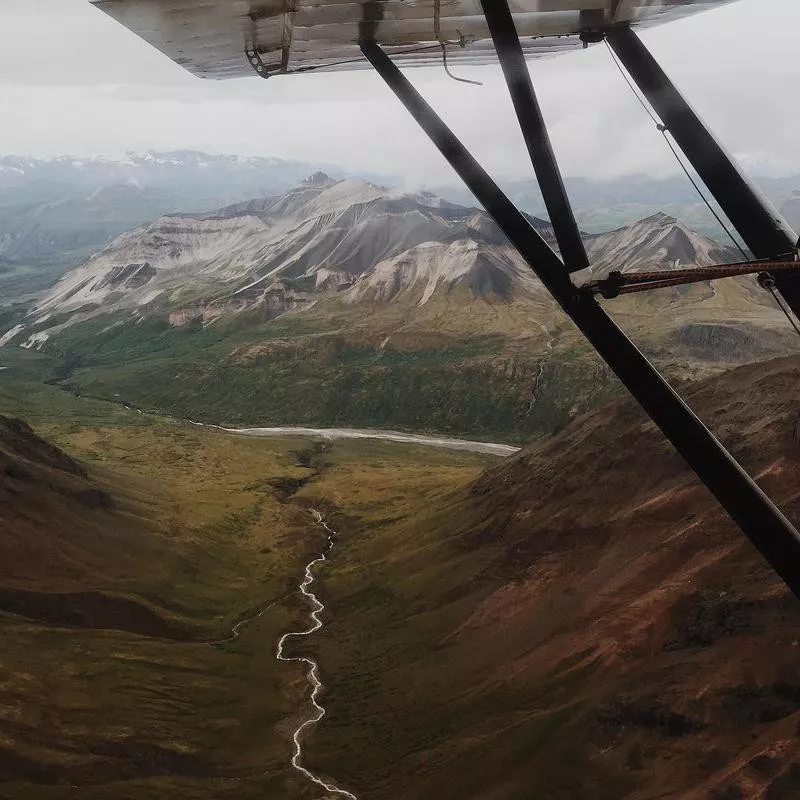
576 622
107 712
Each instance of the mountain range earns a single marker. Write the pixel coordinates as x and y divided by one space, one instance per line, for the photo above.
54 213
324 236
350 238
344 302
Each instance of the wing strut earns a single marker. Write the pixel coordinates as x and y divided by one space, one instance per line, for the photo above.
761 521
758 222
534 130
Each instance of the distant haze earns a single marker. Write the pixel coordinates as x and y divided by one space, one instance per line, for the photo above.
73 81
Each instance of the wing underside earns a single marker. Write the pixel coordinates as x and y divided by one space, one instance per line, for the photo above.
209 37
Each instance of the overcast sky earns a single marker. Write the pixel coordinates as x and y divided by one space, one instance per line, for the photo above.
72 81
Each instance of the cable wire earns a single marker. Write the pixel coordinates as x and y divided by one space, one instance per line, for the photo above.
437 31
449 73
699 191
771 288
662 129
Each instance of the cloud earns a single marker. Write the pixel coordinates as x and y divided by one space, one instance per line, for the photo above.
87 85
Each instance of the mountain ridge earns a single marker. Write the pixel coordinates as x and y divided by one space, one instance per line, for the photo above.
329 235
54 213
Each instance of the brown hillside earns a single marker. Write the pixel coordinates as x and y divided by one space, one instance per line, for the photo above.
583 622
68 547
51 513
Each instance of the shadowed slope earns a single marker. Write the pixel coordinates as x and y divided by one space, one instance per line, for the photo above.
58 525
582 622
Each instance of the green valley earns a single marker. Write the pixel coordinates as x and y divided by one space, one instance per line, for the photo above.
196 533
576 620
565 618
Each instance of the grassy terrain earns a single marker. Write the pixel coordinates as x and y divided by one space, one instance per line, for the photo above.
579 622
125 715
507 371
124 706
473 372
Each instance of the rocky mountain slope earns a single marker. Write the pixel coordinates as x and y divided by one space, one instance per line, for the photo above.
583 621
659 242
319 237
329 235
54 213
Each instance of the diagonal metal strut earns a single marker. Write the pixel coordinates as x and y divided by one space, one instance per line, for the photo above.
534 130
758 222
764 524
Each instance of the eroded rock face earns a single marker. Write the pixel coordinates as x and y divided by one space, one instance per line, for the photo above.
322 238
654 243
488 271
131 276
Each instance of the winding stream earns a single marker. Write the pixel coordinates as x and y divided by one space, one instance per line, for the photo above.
316 606
236 630
313 667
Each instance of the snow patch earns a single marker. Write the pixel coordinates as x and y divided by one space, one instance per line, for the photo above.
37 341
9 335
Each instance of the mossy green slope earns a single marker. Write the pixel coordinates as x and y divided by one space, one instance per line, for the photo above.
213 536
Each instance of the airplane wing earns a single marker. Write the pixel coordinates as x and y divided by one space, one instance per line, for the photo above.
210 37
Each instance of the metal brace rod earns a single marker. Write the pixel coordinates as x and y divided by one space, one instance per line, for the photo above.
758 222
618 283
534 130
257 63
764 524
